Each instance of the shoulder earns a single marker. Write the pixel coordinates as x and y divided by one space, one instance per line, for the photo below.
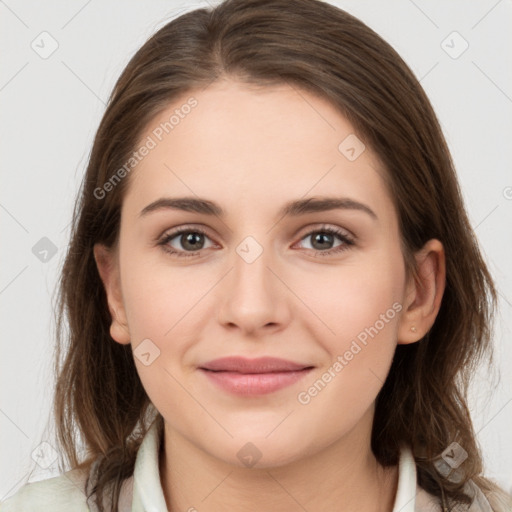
495 501
58 494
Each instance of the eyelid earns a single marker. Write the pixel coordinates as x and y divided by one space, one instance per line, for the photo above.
183 227
324 225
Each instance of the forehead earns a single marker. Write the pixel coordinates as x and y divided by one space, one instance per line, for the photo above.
251 147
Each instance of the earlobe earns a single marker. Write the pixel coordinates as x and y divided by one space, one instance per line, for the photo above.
424 293
108 270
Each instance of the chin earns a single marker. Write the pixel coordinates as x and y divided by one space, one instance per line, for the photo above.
258 452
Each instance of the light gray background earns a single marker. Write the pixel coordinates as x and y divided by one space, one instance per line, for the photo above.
51 109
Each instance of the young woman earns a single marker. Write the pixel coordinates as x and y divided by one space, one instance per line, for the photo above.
275 297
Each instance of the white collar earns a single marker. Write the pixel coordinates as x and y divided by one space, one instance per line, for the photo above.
405 500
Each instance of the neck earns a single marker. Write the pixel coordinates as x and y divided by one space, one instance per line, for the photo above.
345 476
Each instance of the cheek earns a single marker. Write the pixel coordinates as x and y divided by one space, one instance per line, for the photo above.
360 310
160 299
348 301
359 357
165 309
160 307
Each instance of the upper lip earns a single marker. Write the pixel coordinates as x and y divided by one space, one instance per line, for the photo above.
258 365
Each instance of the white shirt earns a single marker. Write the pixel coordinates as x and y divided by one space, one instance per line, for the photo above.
142 492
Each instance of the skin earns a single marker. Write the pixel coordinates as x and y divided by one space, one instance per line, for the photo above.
252 150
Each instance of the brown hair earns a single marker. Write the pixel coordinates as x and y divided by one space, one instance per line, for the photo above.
314 46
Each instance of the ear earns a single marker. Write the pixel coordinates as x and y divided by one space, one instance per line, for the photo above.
108 268
423 293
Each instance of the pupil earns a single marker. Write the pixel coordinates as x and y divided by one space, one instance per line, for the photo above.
322 237
191 238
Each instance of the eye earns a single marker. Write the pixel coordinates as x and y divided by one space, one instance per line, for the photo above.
192 241
325 236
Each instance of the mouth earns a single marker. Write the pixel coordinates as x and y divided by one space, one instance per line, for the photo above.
246 377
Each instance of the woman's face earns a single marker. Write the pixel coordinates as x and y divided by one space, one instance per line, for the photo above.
259 282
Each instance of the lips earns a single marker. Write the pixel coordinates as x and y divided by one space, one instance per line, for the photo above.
251 377
259 365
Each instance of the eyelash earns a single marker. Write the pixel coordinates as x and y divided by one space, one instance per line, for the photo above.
347 241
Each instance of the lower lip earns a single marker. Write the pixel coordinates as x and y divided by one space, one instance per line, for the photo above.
248 384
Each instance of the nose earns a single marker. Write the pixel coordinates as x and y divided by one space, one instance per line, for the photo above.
253 297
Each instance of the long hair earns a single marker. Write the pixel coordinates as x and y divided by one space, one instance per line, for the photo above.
315 47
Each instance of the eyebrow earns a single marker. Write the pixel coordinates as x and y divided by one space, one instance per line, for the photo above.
292 208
